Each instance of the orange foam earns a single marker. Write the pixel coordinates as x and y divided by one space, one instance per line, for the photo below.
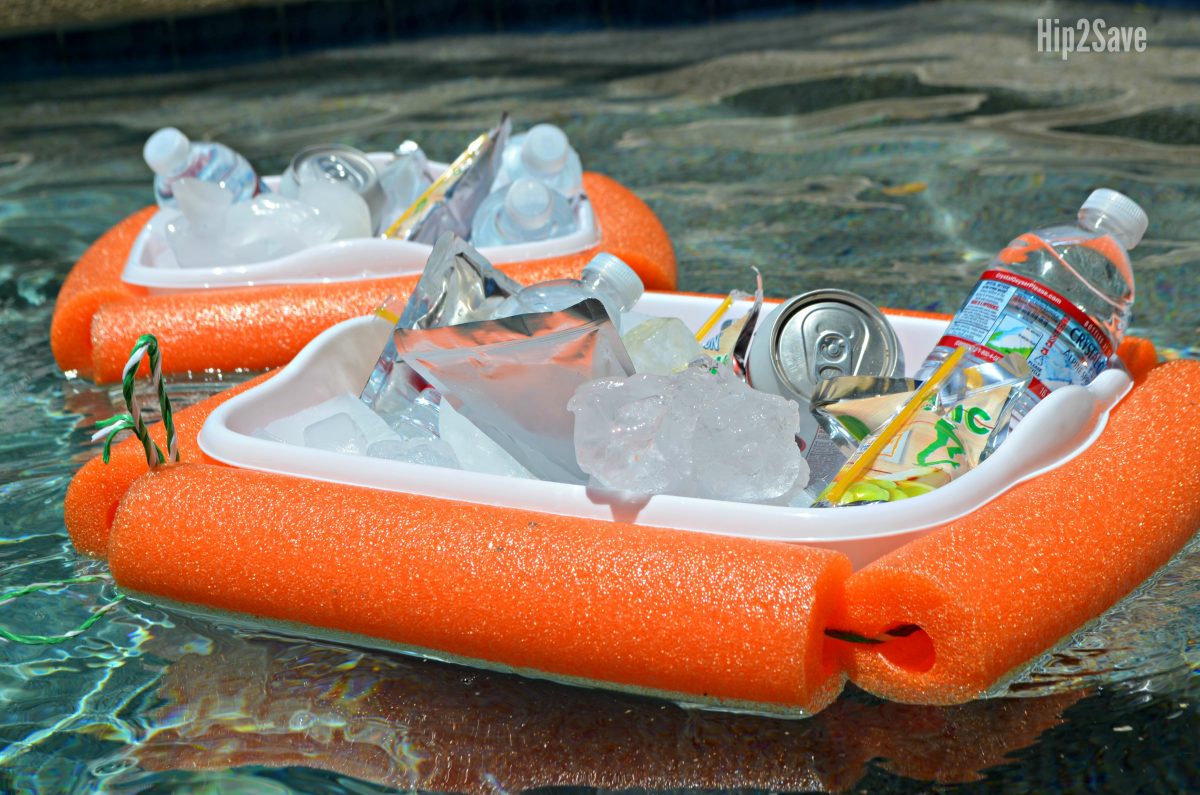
666 611
93 282
98 317
994 589
93 494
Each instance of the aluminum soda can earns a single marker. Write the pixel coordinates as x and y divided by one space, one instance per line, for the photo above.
344 165
818 335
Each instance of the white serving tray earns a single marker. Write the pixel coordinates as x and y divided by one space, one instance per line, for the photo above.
151 263
341 358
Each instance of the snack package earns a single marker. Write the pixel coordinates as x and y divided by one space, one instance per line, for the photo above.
731 344
457 283
449 204
943 430
512 377
849 407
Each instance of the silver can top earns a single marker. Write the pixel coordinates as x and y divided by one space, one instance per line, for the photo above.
822 334
335 163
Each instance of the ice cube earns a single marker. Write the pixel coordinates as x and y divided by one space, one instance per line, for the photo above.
661 346
426 451
700 433
366 423
273 226
474 449
339 206
338 434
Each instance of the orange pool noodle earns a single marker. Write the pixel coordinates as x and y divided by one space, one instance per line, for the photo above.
98 317
992 590
92 496
94 281
668 612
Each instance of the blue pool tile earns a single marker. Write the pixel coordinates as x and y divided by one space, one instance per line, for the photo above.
139 46
559 16
247 34
335 23
25 57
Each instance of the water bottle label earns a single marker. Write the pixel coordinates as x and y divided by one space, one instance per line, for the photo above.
1009 313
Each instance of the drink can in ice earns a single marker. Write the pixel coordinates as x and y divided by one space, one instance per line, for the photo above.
336 163
818 335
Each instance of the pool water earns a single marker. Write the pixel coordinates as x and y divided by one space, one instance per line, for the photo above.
887 152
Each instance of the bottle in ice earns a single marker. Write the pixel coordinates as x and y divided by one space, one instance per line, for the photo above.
172 157
1060 296
606 277
522 212
544 154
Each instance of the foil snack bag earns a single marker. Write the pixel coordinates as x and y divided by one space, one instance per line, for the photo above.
512 377
947 436
449 204
456 285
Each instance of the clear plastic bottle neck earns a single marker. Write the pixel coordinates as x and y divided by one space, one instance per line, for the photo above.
1095 220
600 286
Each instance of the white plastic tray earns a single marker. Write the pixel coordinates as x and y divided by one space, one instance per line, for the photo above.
341 358
152 263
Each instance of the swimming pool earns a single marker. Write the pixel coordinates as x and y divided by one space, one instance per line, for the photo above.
887 152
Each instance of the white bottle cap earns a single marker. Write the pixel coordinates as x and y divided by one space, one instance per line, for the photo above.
611 272
545 149
527 204
1117 212
166 150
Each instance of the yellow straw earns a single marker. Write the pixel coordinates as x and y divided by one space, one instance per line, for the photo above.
849 475
433 192
714 317
387 310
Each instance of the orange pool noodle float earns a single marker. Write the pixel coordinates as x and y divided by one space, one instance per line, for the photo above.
98 317
668 612
663 611
995 588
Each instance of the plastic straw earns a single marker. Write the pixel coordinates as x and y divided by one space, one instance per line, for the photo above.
714 317
851 473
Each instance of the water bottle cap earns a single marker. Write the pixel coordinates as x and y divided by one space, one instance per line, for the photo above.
612 272
166 150
1119 213
528 204
545 149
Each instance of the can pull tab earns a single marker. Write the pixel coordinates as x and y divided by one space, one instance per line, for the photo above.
833 351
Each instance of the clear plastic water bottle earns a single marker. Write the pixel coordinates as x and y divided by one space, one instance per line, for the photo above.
403 181
522 212
543 153
606 277
172 157
1060 295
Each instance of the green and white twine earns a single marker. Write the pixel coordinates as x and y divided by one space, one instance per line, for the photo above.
146 345
40 640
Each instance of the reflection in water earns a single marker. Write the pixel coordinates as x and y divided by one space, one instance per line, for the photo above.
886 152
417 725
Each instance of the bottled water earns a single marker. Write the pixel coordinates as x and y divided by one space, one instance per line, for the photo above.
543 153
606 277
173 157
522 212
403 181
1060 296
